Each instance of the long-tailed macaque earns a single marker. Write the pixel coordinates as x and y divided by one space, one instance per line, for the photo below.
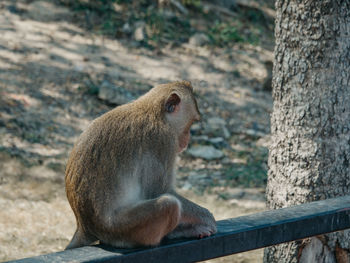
120 173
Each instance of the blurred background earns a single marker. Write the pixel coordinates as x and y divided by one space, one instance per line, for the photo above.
64 63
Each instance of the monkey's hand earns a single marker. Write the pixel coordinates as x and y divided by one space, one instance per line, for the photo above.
195 221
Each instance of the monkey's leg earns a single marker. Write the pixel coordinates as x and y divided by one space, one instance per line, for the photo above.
80 239
195 221
145 223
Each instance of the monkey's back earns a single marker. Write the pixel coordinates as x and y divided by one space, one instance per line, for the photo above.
109 151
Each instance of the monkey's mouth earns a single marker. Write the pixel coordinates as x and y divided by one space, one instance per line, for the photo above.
184 140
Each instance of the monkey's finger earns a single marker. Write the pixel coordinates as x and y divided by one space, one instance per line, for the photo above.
204 235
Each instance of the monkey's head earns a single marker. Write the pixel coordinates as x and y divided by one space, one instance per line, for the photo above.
179 109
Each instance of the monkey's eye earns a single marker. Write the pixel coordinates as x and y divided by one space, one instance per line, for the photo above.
170 108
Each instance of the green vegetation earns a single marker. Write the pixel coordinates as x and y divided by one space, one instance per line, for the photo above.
252 173
194 4
167 24
223 34
163 29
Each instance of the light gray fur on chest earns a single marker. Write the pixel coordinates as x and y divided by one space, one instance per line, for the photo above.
148 179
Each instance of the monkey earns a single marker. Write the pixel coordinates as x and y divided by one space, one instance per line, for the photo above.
120 174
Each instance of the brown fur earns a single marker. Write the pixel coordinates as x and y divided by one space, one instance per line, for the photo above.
119 176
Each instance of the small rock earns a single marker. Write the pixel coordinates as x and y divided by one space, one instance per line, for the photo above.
216 140
140 31
199 178
216 175
216 122
79 67
114 94
196 175
237 193
168 14
215 125
187 186
254 133
199 39
205 152
196 127
204 139
226 133
127 29
200 138
226 160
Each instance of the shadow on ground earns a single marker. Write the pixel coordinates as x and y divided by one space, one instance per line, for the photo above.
51 71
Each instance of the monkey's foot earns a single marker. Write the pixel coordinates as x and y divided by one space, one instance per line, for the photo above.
188 231
205 231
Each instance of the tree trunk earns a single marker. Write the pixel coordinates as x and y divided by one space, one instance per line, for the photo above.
310 124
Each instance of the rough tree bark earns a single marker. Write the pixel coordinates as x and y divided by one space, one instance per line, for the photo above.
310 124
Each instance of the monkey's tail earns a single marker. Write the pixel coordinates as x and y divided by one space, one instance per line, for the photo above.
81 239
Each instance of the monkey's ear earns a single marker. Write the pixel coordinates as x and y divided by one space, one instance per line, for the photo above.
172 103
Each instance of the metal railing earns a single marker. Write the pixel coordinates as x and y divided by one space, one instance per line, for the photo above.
234 235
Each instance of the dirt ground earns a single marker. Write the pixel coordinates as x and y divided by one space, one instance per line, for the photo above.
49 68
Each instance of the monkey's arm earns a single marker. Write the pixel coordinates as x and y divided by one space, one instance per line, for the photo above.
196 221
191 212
